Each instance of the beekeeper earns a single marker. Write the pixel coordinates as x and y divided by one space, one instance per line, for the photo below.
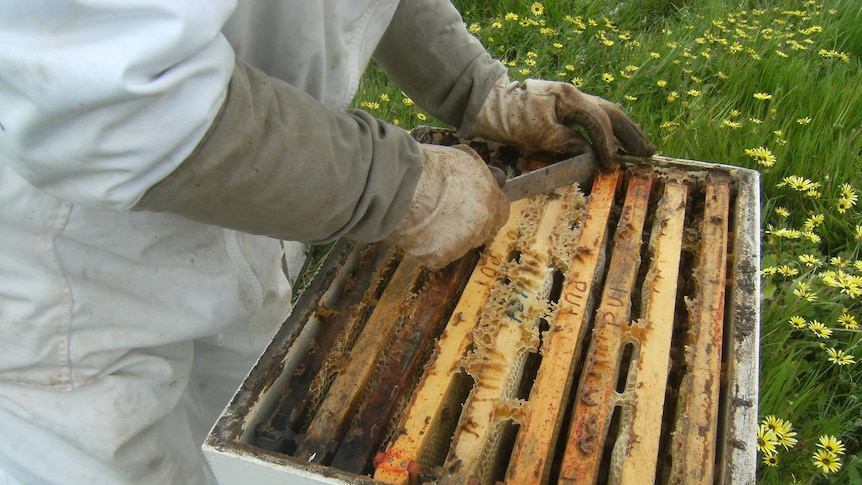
154 154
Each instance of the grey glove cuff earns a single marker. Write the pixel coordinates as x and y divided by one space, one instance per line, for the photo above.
428 52
279 163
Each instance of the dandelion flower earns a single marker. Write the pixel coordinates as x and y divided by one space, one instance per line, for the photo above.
537 8
831 444
848 321
557 45
797 322
804 292
788 270
421 116
827 462
693 93
511 16
814 221
661 83
804 121
782 212
497 25
673 96
766 440
798 183
761 155
384 97
848 192
810 260
770 460
819 330
762 96
608 77
578 81
839 357
474 28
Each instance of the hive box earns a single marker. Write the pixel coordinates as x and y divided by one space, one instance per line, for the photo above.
605 335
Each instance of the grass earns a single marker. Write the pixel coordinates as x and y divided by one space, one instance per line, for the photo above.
770 85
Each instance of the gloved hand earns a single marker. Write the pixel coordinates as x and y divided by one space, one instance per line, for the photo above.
457 206
537 116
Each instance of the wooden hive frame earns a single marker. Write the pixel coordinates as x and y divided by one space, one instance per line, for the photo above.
597 339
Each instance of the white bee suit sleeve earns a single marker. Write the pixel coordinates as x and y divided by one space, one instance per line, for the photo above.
123 333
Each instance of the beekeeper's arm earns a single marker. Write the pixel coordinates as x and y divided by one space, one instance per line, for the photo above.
431 56
141 105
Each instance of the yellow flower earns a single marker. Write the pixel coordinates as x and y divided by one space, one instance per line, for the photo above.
577 81
797 322
608 77
831 444
761 155
673 96
770 460
628 97
731 124
655 55
804 121
848 320
839 357
858 234
497 25
769 271
537 8
661 83
530 62
762 96
532 55
814 221
474 28
384 97
766 440
847 192
810 260
819 330
788 270
557 45
407 101
693 93
421 116
511 16
826 461
798 183
524 71
804 292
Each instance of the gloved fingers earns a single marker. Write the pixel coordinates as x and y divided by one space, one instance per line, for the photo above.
630 135
457 206
582 110
497 203
573 142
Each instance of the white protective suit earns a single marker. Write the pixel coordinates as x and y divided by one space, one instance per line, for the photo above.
123 333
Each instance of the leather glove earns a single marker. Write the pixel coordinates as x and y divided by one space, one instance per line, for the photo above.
457 206
537 116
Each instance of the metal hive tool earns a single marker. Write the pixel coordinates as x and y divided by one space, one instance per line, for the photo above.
606 337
